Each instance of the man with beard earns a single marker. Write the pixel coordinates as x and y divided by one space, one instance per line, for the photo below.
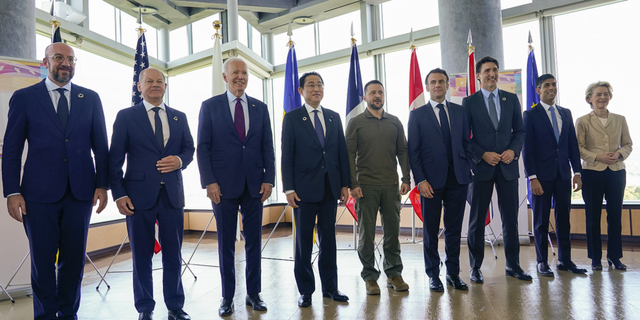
61 181
441 161
375 145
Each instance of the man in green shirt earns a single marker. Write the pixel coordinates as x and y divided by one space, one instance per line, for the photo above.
375 139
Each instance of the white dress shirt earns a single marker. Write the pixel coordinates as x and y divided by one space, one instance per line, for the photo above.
55 95
245 109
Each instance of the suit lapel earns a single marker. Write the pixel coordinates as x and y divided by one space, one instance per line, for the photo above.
172 120
77 103
542 113
432 116
503 108
485 113
306 120
454 123
330 129
253 116
141 117
563 117
45 99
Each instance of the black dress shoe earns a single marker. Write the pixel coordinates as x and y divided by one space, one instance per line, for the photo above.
226 307
596 265
304 300
147 315
544 270
457 283
571 267
256 302
336 296
517 273
475 275
616 264
435 284
178 314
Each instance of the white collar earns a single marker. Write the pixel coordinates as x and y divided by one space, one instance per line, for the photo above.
310 109
52 86
148 106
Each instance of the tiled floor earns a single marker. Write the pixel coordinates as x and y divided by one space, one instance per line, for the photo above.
608 294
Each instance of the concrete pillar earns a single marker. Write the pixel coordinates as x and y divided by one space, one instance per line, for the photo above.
232 19
163 44
484 18
269 50
18 25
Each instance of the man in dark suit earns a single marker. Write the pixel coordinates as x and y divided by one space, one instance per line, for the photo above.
441 161
495 120
550 147
61 181
157 144
315 175
237 167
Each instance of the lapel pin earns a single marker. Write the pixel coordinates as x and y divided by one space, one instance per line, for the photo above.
504 98
330 118
175 118
80 95
304 118
253 105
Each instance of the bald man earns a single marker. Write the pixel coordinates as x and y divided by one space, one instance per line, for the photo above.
61 180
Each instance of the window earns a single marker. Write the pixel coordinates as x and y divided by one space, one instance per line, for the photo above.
129 29
335 33
102 19
516 50
256 41
601 53
399 16
179 43
304 37
202 31
243 36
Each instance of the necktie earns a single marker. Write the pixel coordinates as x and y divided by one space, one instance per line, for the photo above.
158 124
446 132
238 120
493 113
318 125
554 122
63 108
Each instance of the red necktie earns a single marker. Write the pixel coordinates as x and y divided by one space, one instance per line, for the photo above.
238 120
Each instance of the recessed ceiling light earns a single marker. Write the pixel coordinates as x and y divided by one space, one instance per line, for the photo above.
303 20
144 10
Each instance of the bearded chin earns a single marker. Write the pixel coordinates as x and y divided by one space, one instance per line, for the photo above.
62 79
374 107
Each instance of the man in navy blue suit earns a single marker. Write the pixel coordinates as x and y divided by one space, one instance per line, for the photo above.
495 120
237 167
549 148
315 175
61 181
157 144
441 161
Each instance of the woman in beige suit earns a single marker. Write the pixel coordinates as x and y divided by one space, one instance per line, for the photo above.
604 141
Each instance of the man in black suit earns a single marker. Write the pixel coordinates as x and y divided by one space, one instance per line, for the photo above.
495 120
441 161
549 148
315 175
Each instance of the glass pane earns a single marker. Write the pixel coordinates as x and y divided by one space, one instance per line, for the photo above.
179 44
399 16
305 44
102 19
242 31
598 53
41 44
130 34
202 31
335 33
257 41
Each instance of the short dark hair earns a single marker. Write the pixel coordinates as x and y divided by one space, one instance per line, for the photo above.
486 60
436 70
311 73
372 82
543 78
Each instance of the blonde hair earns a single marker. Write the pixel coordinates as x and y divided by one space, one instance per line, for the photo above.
593 86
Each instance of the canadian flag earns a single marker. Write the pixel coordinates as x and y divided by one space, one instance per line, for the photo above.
416 100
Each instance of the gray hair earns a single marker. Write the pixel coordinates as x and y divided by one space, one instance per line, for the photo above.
225 66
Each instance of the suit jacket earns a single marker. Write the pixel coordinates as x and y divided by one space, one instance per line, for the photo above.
509 135
224 159
56 158
428 152
594 139
543 156
133 138
305 162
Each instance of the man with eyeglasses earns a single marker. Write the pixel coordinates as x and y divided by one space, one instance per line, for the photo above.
62 180
315 176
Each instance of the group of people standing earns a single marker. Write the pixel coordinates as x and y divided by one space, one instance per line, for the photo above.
69 168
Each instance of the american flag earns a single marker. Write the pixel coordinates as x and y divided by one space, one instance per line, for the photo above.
141 63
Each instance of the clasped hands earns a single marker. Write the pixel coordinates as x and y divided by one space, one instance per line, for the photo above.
214 194
609 157
493 158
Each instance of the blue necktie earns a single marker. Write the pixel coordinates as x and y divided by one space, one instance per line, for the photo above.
554 122
446 132
158 125
318 125
493 112
63 108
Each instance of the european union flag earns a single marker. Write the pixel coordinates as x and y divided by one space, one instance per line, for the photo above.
532 76
291 82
